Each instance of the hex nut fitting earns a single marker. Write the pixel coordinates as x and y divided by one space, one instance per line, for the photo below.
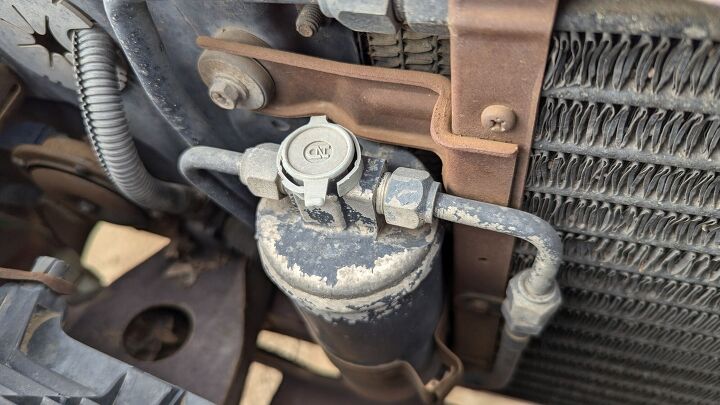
407 198
525 314
225 93
259 172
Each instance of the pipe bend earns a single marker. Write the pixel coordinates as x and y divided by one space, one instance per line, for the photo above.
519 224
194 164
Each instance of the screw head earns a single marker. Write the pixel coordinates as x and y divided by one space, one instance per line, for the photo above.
498 118
226 94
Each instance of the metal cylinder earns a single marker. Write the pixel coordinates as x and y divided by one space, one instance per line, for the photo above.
367 299
371 295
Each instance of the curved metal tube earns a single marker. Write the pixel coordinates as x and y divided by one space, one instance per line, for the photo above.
194 161
507 359
140 41
107 128
512 222
540 280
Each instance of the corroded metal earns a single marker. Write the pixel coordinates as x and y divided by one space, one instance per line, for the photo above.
625 166
409 109
498 50
371 296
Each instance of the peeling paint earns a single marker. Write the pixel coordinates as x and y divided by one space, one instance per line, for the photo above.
346 275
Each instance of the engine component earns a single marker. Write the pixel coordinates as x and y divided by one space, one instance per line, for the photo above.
353 301
409 198
68 172
40 363
76 191
423 16
371 295
487 40
636 101
235 81
107 128
195 161
414 101
36 33
366 16
140 41
410 50
641 256
309 20
315 158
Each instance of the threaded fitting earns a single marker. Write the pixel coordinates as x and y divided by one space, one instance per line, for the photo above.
308 20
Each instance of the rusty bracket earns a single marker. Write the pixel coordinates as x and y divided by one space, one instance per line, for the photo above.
399 107
418 110
498 51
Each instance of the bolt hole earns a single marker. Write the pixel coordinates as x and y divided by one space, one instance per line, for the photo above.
280 125
157 333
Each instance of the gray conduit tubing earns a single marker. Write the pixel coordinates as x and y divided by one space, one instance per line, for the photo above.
140 41
107 128
200 159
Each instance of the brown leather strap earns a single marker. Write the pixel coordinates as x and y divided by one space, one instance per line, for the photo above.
56 284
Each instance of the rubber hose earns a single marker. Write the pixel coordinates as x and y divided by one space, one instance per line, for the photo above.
107 127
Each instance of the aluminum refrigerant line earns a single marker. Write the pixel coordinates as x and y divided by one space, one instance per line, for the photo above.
194 164
512 222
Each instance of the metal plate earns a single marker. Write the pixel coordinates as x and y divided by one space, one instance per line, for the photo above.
36 33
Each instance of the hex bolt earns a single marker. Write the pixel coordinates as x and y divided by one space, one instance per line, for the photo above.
226 93
308 20
498 118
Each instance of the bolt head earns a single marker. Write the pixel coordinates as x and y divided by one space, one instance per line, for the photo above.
306 29
225 94
498 118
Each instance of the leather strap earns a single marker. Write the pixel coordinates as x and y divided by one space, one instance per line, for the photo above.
56 284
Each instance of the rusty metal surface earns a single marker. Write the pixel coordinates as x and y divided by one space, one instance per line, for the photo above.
413 109
215 304
392 106
70 175
404 108
498 50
